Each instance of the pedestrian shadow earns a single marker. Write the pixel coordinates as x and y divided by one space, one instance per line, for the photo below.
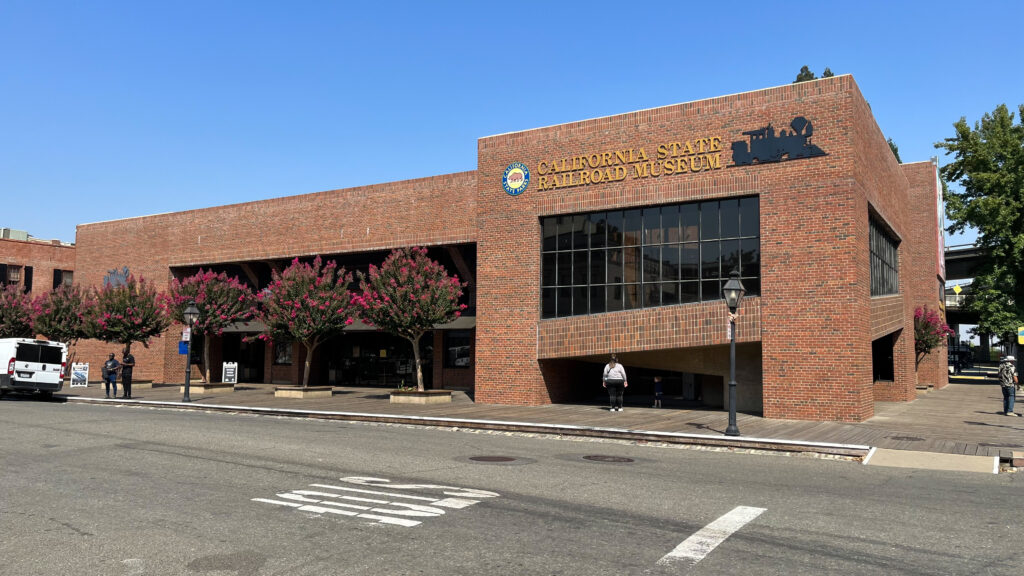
1008 427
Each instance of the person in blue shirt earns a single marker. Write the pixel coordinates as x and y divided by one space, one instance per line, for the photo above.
110 368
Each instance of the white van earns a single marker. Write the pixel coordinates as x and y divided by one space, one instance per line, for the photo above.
32 365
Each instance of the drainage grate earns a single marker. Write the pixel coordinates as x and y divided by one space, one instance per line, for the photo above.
600 458
492 459
991 445
906 438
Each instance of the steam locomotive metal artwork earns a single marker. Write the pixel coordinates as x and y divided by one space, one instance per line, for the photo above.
765 146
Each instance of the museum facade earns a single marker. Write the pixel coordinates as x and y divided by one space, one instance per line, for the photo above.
614 234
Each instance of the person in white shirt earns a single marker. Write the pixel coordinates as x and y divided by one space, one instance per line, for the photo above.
615 381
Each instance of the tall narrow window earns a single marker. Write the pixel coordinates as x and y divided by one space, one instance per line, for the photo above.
885 271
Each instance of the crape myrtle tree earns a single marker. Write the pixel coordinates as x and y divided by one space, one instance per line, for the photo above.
306 303
930 332
128 313
408 295
16 312
988 166
221 301
62 315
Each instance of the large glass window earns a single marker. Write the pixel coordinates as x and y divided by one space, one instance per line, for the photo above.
647 257
885 269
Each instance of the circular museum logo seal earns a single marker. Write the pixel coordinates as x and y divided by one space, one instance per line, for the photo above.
516 178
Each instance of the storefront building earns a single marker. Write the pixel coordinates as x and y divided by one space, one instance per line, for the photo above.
613 235
34 265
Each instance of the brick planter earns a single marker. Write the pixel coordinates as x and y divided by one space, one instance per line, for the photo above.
300 392
417 397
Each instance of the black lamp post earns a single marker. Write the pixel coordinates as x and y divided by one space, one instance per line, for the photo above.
733 292
191 315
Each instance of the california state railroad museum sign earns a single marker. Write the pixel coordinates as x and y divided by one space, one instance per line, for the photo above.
682 157
761 145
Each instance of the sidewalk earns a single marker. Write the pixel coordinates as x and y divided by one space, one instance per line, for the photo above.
962 418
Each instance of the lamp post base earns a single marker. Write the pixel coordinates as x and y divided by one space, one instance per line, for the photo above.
732 431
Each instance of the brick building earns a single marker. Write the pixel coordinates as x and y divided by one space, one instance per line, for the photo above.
37 266
612 235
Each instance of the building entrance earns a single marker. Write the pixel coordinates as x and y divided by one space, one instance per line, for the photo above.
375 359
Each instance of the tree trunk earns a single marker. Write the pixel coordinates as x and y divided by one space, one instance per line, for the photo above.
310 347
416 355
206 359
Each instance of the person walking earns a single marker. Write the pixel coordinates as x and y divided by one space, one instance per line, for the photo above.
127 364
1008 382
659 392
615 381
110 368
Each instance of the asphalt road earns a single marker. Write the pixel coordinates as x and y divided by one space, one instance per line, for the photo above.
98 490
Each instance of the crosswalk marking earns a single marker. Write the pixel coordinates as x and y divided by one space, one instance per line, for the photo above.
696 547
357 503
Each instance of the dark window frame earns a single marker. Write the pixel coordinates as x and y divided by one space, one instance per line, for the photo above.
642 276
884 260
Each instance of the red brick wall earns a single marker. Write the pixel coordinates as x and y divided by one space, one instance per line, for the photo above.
43 257
378 217
925 280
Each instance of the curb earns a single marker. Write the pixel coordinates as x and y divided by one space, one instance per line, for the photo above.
745 443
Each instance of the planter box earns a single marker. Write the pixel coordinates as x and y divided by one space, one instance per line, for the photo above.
203 388
417 397
300 392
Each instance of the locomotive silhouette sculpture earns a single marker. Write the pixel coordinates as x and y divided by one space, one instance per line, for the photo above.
765 146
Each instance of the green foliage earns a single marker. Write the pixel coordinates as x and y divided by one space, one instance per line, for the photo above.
994 307
989 167
63 314
307 303
806 75
128 313
16 312
895 150
408 295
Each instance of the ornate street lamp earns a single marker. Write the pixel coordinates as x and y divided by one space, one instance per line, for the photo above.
733 292
191 315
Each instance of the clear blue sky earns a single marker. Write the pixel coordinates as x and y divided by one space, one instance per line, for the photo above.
117 109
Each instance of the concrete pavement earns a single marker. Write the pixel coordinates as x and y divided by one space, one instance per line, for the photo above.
956 428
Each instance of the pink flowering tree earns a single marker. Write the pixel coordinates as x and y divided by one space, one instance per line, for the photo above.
16 313
307 303
408 295
128 313
62 315
221 301
930 332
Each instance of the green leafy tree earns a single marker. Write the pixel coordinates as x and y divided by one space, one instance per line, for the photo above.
895 150
994 307
128 313
62 315
806 75
306 303
16 313
221 301
930 332
988 165
408 295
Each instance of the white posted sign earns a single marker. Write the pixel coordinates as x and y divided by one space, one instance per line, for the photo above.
230 373
79 375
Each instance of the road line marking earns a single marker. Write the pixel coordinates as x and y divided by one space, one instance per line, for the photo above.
377 492
870 454
330 510
696 547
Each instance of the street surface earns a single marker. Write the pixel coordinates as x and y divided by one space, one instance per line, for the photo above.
118 490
